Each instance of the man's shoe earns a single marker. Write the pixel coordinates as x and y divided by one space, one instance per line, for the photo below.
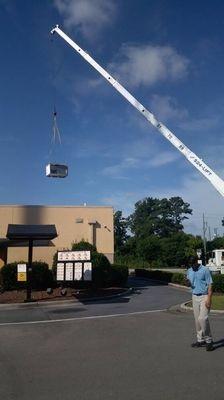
209 346
198 344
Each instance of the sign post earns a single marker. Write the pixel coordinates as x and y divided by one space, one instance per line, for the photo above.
21 273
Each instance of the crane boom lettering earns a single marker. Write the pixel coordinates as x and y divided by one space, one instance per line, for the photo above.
215 180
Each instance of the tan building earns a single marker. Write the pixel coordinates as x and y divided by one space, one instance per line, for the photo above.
73 223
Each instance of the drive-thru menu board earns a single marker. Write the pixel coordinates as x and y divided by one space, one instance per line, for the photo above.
87 271
69 271
74 266
74 255
60 271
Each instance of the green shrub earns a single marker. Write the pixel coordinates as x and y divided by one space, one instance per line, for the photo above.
41 276
118 275
131 261
179 278
154 274
9 277
157 264
101 271
83 245
218 283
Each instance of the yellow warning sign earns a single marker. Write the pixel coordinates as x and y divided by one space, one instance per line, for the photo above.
21 276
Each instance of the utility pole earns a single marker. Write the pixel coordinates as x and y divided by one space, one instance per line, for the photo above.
205 226
209 233
216 232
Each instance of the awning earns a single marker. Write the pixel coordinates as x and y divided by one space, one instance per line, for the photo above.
31 232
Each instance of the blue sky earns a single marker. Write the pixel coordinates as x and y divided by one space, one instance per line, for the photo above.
168 54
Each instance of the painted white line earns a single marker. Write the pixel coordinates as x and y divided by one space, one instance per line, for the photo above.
50 321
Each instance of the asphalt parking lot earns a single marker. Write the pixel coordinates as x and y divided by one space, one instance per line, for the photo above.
118 352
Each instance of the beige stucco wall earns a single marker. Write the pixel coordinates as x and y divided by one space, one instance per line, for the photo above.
68 229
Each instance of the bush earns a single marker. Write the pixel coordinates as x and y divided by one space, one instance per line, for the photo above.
83 245
9 277
131 261
178 277
118 275
218 283
41 276
101 270
157 275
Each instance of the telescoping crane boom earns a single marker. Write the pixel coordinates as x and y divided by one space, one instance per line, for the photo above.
215 180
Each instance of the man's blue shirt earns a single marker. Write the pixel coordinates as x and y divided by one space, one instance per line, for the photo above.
200 279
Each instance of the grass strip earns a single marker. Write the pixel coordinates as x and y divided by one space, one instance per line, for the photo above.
217 302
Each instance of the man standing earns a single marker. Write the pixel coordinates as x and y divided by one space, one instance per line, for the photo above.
201 283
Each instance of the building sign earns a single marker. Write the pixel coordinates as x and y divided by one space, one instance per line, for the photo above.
21 273
74 266
78 271
69 271
74 255
60 271
87 271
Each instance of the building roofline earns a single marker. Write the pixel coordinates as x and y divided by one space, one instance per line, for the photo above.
52 206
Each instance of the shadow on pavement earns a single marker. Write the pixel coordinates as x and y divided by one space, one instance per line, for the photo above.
143 282
218 343
68 310
116 300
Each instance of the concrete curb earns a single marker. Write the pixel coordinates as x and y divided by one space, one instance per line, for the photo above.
63 302
185 307
165 283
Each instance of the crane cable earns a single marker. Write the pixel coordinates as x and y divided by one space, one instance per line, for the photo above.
56 132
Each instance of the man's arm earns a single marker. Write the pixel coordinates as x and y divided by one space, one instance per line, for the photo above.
209 297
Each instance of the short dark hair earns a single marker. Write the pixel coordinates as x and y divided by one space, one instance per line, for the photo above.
193 260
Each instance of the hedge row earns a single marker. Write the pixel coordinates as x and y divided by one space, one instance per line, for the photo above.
41 277
178 277
104 275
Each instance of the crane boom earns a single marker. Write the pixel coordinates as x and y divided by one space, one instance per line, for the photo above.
205 170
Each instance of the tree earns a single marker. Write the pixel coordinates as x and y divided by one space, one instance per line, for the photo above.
163 217
173 249
149 248
193 243
120 231
216 243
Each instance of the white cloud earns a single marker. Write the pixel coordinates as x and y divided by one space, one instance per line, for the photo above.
117 170
129 163
195 190
146 65
200 124
88 16
163 158
166 108
203 198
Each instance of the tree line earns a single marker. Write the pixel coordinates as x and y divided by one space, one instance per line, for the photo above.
153 235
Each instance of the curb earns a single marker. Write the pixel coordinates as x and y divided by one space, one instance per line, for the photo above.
185 307
177 285
63 302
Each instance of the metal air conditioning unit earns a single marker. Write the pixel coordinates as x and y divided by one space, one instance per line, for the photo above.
56 171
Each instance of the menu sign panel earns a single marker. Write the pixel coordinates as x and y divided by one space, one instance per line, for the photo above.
69 271
78 271
74 265
81 255
60 271
87 271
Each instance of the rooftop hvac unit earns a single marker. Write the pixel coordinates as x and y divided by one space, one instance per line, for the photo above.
56 171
